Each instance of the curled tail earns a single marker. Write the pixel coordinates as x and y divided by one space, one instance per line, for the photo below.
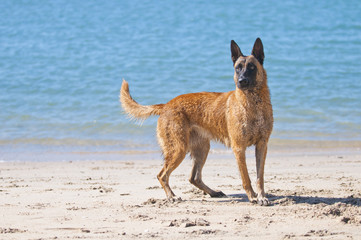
134 109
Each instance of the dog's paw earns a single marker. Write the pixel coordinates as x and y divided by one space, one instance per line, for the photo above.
252 197
174 199
218 194
263 201
253 200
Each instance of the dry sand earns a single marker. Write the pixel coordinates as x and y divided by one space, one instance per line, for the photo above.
314 195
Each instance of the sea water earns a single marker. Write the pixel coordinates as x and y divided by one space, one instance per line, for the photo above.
62 65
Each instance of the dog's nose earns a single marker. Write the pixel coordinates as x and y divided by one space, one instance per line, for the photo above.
243 82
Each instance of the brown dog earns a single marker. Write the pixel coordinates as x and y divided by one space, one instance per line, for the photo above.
238 119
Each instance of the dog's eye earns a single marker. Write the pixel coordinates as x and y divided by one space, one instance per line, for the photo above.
239 67
251 66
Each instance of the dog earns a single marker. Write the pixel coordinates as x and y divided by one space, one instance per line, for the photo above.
238 119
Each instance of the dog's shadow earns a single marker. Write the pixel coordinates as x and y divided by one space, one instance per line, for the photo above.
294 199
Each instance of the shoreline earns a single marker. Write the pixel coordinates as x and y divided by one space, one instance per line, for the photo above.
279 147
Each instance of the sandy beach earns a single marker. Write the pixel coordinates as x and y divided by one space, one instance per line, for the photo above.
75 165
314 195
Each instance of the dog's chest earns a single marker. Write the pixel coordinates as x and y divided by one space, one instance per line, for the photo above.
256 124
256 121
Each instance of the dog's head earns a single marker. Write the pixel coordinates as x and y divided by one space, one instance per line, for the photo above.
248 70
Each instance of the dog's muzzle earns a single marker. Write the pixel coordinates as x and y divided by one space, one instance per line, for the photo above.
243 83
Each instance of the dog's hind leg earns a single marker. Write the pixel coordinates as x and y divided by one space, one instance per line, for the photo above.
199 152
173 139
171 162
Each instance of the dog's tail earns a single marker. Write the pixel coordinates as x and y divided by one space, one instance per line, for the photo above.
134 109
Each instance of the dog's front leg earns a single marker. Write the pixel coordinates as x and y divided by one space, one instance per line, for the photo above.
261 152
240 154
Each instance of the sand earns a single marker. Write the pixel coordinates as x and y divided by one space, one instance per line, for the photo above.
314 195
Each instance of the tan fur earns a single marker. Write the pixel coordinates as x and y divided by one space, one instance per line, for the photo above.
134 109
238 119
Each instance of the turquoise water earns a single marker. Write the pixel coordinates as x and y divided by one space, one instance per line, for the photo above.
62 63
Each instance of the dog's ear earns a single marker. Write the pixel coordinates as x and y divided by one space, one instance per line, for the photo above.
236 52
257 50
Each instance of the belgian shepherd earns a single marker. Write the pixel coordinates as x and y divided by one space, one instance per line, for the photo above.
239 119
